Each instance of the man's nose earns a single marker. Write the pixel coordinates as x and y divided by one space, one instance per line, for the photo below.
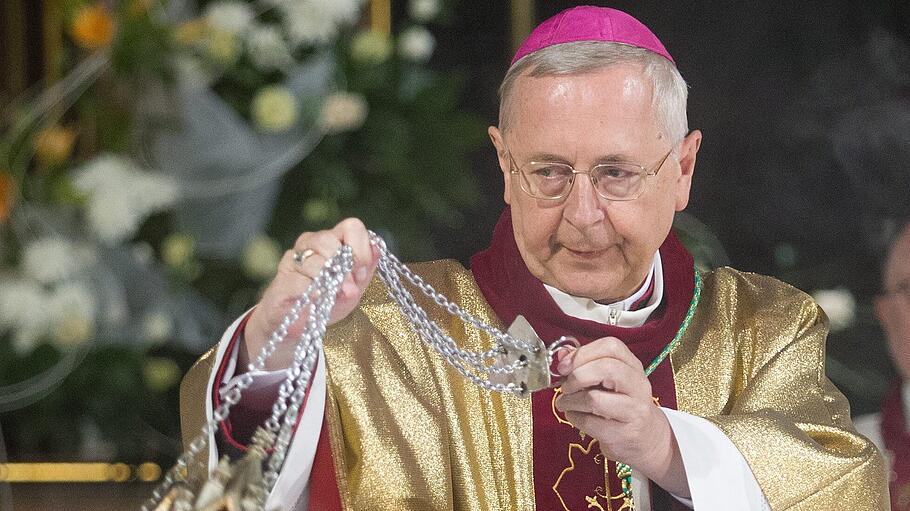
583 208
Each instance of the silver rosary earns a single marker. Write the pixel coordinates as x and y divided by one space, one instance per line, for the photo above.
518 363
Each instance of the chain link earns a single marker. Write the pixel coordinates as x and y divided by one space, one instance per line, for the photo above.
315 305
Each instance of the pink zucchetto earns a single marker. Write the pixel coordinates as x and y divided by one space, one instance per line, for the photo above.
590 23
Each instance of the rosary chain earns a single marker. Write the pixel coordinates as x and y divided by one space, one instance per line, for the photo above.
316 304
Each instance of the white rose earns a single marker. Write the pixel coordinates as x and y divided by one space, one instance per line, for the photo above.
231 16
416 44
317 21
839 305
267 48
52 259
72 309
274 109
423 10
23 311
121 195
157 326
343 111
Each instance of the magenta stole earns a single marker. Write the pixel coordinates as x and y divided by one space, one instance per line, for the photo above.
897 441
511 290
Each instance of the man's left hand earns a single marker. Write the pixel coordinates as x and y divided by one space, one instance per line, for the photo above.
606 395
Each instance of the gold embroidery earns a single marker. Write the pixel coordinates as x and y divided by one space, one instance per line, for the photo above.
585 451
599 492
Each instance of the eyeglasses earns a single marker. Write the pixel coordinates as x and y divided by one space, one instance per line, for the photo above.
618 181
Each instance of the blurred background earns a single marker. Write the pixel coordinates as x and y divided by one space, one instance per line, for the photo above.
157 157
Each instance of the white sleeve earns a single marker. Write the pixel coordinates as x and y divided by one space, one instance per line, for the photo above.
719 477
291 487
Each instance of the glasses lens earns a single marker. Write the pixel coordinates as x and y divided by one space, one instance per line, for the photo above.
547 180
618 181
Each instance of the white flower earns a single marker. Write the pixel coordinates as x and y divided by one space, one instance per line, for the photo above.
839 305
274 109
416 44
72 309
157 326
260 257
23 310
371 47
121 196
267 48
52 259
423 10
317 21
232 16
343 111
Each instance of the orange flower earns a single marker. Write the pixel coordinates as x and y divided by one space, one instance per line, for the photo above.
54 145
93 27
7 195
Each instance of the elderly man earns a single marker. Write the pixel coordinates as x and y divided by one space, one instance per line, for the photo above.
689 390
889 428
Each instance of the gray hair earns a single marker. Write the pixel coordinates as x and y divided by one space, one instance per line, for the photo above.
669 89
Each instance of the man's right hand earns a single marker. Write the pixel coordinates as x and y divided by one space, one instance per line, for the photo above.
292 280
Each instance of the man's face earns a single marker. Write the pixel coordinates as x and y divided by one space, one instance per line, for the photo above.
893 308
584 244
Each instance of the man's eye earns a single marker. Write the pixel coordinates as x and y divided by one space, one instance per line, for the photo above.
551 172
612 172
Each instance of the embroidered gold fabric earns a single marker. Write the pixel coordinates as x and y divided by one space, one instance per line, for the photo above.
409 433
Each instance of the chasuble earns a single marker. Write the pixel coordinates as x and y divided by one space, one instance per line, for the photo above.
403 430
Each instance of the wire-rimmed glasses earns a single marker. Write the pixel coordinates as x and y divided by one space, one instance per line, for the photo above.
618 181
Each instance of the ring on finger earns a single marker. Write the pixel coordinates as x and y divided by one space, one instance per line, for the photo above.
301 255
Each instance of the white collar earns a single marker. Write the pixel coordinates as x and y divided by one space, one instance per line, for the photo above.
617 313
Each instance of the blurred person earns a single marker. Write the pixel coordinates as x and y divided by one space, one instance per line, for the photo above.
689 391
888 428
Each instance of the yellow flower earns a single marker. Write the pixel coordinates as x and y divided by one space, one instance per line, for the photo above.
160 374
274 109
54 145
72 330
260 257
177 250
223 47
93 27
8 193
371 47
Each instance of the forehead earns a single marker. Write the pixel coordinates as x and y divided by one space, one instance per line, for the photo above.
608 106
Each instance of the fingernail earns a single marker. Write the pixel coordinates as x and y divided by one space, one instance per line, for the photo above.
563 367
361 274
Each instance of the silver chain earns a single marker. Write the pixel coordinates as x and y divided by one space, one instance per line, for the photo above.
316 304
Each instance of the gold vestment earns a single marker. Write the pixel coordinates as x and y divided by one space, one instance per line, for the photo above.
409 433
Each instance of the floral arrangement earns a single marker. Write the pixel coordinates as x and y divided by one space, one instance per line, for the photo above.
147 196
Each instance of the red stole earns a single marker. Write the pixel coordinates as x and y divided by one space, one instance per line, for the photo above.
569 471
897 441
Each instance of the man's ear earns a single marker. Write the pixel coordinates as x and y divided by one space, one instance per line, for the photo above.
503 156
688 150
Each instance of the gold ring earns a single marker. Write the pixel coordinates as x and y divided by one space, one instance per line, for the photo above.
301 255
